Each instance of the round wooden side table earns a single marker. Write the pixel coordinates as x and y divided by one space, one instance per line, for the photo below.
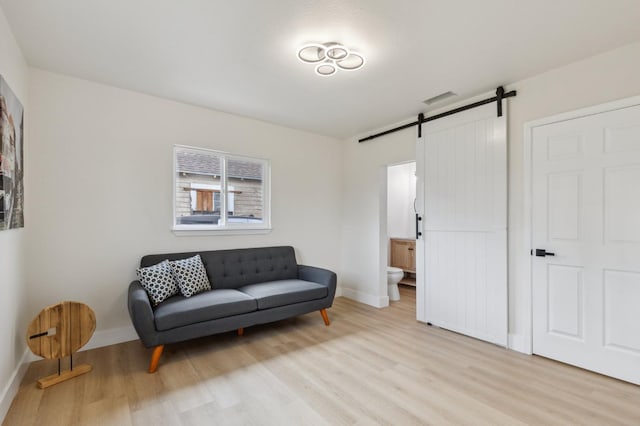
59 331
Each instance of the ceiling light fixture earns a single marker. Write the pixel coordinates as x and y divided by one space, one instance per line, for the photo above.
328 58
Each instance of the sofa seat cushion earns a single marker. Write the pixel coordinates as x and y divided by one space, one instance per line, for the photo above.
219 303
284 292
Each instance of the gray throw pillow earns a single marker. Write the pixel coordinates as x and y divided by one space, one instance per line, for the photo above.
190 275
158 281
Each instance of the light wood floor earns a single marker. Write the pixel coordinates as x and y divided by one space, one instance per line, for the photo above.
369 367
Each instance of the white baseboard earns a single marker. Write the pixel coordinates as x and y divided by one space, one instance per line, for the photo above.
10 391
520 343
338 291
111 336
99 339
368 299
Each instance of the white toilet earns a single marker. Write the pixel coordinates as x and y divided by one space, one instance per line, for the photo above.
394 275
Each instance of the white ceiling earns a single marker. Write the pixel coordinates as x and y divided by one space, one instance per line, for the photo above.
240 56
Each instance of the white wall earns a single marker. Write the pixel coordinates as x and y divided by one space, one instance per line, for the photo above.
100 189
364 218
609 76
401 193
13 285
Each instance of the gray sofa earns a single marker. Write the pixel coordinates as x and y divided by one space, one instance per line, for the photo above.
249 287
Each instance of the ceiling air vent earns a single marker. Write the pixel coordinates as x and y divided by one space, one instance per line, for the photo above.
440 97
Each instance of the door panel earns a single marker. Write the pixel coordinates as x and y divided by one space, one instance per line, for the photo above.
622 204
564 192
621 319
586 210
462 179
565 293
622 139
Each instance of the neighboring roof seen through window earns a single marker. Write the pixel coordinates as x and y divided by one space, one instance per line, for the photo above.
203 164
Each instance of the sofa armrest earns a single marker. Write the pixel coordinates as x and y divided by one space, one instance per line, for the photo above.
319 276
141 313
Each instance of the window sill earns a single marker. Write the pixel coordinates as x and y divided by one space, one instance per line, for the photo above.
203 232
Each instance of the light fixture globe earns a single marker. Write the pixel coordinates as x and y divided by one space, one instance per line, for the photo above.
329 57
336 51
312 53
353 62
326 69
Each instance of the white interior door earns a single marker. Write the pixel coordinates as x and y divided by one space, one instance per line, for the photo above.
586 211
462 196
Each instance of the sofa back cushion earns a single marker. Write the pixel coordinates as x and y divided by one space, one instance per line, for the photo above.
239 267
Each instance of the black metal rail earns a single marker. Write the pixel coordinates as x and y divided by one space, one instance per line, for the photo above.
500 95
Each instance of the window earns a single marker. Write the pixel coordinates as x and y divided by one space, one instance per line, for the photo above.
216 191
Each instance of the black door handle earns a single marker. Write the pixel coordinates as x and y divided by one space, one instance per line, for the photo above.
418 219
543 253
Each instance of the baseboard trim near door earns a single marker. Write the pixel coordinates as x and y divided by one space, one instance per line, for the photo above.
520 343
367 299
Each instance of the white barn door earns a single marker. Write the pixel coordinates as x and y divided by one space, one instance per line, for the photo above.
586 217
462 198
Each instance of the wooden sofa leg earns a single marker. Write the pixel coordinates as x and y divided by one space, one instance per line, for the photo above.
240 331
155 358
325 317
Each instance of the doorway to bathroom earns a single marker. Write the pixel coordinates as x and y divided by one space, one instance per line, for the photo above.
401 238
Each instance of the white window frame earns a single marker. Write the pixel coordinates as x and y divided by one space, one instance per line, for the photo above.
224 227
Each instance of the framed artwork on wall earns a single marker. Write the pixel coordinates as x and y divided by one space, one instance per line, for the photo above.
11 159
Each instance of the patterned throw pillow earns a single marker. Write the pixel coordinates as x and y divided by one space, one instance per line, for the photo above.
158 281
190 275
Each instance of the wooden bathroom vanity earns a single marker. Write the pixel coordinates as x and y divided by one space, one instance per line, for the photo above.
403 256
